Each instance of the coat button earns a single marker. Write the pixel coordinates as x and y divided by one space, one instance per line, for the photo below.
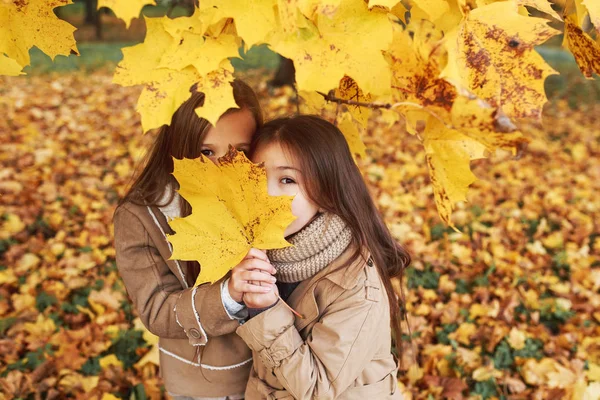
194 333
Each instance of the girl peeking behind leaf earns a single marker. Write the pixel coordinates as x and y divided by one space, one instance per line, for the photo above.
337 275
200 354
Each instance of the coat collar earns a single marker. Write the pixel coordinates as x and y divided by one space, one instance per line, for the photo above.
303 298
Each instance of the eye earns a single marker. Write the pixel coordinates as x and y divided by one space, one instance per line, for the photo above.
243 150
207 152
287 181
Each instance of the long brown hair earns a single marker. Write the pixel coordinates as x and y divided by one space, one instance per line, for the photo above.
334 183
182 139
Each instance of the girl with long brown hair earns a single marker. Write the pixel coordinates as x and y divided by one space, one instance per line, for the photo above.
337 275
201 357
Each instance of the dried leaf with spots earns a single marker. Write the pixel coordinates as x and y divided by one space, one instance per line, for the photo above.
231 213
585 50
491 53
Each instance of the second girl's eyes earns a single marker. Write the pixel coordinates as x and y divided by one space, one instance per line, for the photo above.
207 152
287 181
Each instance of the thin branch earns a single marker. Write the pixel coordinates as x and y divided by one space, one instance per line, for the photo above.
378 105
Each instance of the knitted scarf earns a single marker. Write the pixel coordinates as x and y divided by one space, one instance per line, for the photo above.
314 247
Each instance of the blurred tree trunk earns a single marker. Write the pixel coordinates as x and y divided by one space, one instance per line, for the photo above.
92 16
285 75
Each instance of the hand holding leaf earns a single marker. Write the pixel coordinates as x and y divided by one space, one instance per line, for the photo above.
231 213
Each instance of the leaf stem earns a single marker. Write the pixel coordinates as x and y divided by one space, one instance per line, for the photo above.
296 313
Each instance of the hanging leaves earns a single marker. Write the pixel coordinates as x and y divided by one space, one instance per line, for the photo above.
231 213
470 65
28 23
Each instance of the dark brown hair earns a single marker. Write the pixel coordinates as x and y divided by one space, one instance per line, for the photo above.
334 183
182 139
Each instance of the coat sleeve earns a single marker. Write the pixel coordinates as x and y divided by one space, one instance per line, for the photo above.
333 355
165 308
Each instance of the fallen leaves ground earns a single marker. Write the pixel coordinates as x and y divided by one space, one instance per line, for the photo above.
509 307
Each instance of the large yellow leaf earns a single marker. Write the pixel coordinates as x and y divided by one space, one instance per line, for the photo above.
585 50
28 23
164 89
492 54
349 43
231 213
125 9
254 19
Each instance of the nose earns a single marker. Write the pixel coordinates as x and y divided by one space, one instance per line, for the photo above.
272 187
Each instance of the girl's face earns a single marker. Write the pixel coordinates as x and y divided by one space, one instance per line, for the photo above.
236 129
284 177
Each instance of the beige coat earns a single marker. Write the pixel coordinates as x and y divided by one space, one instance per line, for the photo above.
340 350
200 353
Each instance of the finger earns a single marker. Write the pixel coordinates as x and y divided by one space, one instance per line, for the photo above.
256 264
257 276
256 253
248 288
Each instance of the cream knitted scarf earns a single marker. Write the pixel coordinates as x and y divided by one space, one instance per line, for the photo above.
314 247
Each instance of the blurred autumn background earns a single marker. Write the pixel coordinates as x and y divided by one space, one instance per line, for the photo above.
509 307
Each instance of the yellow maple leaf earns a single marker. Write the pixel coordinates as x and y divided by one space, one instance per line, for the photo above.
352 134
414 59
218 94
126 10
585 50
254 19
349 43
231 213
165 89
24 24
204 54
491 53
449 153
